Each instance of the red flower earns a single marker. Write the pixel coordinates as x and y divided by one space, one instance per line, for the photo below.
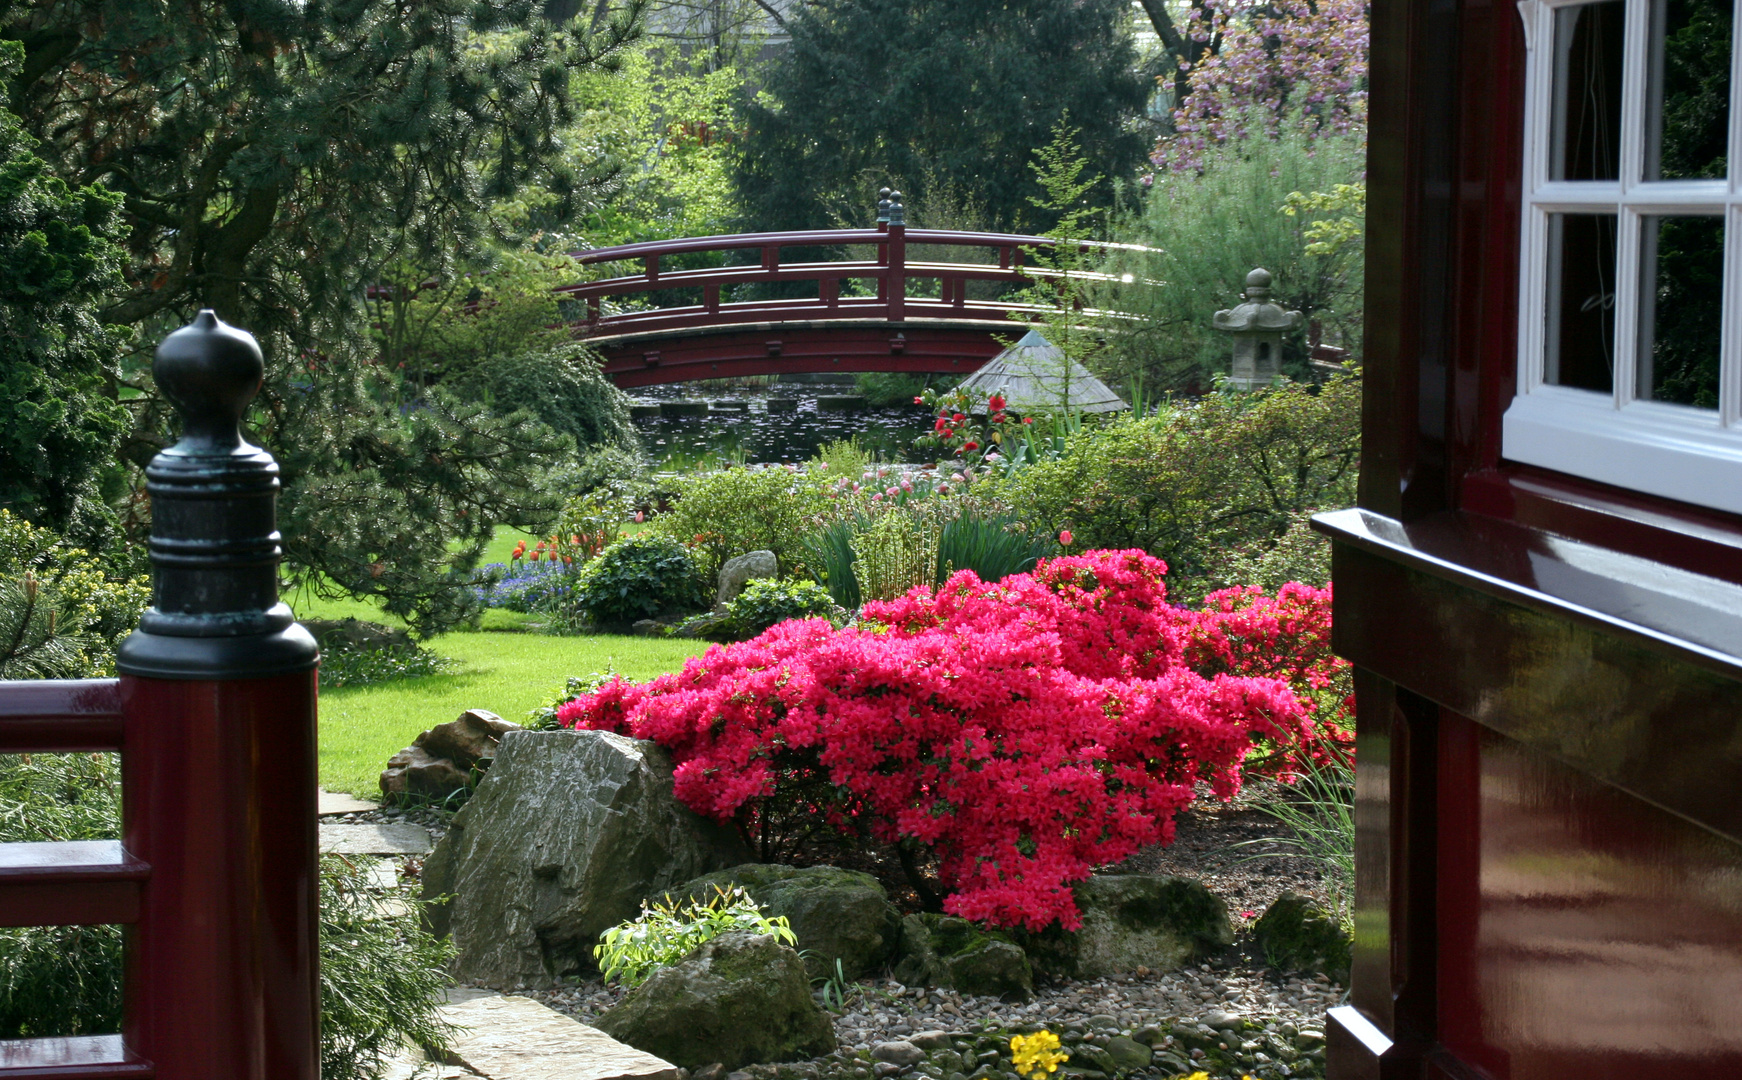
949 434
1065 538
940 425
919 401
995 402
1028 419
958 418
971 445
1000 418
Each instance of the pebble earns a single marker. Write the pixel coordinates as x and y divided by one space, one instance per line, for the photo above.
1262 1010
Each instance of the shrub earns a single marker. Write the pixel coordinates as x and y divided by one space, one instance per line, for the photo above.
639 577
666 932
728 513
993 546
1023 733
1206 483
764 603
383 976
564 387
353 666
63 613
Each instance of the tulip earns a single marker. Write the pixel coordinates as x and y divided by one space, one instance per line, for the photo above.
640 516
919 401
1028 419
1065 538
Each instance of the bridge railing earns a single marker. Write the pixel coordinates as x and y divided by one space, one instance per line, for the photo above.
215 875
895 299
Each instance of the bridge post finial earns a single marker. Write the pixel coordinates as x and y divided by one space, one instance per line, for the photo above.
897 212
883 208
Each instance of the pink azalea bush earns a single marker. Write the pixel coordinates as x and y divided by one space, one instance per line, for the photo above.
1022 733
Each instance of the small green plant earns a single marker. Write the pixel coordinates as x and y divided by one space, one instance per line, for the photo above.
1319 812
994 546
543 717
724 514
363 667
831 559
667 931
896 553
639 577
765 602
841 457
833 988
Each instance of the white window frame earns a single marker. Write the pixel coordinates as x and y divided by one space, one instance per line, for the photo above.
1674 451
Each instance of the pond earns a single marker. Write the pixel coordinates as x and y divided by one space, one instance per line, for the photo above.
758 436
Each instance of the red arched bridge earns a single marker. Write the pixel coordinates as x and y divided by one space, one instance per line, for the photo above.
932 328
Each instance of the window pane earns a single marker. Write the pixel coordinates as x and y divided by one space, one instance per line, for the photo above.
1681 308
1587 85
1581 301
1689 112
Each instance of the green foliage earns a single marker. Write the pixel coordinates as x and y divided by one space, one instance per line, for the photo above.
400 506
543 717
895 553
881 89
59 258
666 932
1208 485
994 546
363 667
841 457
728 513
1058 290
564 387
640 577
1208 230
765 602
830 557
382 975
882 389
1318 809
62 612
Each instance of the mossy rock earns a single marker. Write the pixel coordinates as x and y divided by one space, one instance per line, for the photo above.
835 914
943 950
1297 935
1131 921
738 999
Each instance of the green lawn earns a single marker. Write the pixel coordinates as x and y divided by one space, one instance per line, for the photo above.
501 667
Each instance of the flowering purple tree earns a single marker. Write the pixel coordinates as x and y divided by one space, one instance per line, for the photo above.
1258 66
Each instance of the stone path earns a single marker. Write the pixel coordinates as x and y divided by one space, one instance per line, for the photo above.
516 1038
387 838
335 804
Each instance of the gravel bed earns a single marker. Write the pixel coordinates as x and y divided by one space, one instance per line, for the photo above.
436 821
1227 1018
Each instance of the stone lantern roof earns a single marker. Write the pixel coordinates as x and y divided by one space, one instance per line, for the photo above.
1257 313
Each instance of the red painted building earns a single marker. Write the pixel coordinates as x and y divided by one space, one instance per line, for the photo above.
1542 586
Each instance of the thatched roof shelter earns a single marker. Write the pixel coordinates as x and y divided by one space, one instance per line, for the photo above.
1035 377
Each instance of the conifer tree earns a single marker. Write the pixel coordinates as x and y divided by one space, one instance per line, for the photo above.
937 93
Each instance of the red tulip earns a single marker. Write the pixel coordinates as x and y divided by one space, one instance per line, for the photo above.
919 401
1028 419
1065 538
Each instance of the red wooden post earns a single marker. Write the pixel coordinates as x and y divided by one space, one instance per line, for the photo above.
897 258
218 729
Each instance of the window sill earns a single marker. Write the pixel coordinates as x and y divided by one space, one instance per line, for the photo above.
1663 450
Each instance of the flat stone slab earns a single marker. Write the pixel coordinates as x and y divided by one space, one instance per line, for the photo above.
516 1038
390 838
334 804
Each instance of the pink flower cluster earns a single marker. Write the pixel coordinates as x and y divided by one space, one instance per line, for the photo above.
1024 732
1260 65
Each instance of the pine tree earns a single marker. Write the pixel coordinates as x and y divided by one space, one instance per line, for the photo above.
937 94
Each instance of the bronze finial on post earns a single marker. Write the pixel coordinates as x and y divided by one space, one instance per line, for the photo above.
883 210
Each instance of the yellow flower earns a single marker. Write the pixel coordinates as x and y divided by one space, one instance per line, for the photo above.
1036 1055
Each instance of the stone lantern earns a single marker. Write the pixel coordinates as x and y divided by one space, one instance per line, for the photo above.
1257 326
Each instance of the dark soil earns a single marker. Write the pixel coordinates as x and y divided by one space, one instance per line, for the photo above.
1204 849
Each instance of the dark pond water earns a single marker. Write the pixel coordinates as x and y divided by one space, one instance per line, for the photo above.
757 436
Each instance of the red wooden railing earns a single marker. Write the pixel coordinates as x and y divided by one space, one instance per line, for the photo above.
895 300
215 874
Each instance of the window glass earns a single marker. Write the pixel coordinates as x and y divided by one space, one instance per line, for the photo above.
1681 308
1688 113
1587 89
1581 301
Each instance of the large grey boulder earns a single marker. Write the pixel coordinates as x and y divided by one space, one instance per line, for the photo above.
943 950
1132 921
740 571
738 999
834 913
565 836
